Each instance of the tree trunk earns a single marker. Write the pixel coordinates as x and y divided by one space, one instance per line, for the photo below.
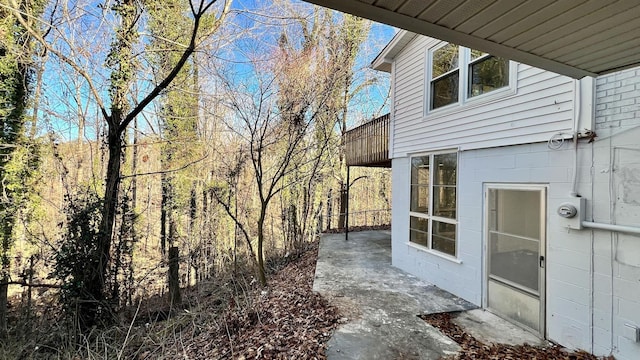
5 242
236 230
195 251
329 210
174 279
29 289
211 237
204 240
134 167
261 273
95 288
164 205
293 227
4 289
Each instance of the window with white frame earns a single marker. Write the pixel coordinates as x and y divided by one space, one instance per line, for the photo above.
457 74
433 202
445 76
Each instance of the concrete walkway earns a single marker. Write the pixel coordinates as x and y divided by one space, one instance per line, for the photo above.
381 304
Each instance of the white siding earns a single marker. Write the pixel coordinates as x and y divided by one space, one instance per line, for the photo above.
541 106
593 276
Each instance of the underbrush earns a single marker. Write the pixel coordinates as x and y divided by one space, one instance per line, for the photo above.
218 319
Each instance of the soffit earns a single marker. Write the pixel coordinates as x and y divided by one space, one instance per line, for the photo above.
576 38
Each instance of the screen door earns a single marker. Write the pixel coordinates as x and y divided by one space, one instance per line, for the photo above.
515 253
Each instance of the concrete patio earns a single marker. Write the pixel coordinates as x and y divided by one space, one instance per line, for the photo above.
381 304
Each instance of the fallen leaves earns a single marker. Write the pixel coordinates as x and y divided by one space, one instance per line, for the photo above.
289 321
474 349
286 321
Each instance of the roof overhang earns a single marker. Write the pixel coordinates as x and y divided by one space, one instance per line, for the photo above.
383 61
576 38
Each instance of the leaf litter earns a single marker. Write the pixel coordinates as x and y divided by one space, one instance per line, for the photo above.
288 320
473 349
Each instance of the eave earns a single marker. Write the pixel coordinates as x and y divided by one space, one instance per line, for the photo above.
576 38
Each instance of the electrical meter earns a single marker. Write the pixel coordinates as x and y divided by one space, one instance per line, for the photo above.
567 210
572 213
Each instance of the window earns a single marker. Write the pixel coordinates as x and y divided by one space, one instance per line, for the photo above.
487 73
433 202
457 74
445 76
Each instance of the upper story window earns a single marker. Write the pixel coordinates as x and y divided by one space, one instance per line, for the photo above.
487 73
445 76
457 74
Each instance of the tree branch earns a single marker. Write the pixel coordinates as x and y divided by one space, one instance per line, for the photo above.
197 15
25 284
227 209
15 9
165 171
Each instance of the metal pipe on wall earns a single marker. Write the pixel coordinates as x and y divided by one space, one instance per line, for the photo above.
612 227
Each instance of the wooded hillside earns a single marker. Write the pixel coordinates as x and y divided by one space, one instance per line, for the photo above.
149 147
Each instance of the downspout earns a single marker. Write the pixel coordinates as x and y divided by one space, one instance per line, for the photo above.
577 111
577 103
592 258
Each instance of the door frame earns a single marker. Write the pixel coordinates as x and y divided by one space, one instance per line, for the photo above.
544 190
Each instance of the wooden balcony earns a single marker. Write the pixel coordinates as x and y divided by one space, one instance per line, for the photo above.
368 144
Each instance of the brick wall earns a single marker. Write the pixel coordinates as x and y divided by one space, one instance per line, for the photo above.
618 101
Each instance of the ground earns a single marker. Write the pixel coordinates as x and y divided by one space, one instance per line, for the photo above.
289 321
235 318
472 348
286 320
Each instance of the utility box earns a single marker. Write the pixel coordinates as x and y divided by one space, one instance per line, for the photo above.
572 213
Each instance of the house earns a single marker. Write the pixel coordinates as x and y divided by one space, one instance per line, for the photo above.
518 189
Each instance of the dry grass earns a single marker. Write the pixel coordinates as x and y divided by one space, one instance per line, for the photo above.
229 317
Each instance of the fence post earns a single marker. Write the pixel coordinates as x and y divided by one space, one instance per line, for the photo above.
346 215
329 210
343 206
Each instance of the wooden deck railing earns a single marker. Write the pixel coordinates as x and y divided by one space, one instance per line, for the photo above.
368 144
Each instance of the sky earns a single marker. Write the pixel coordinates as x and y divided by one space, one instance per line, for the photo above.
63 88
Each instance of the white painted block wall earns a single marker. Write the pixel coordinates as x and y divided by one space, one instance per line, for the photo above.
593 277
616 199
568 254
462 279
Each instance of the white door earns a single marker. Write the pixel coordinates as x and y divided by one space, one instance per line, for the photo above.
515 253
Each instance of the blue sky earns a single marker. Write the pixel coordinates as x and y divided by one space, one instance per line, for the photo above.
62 87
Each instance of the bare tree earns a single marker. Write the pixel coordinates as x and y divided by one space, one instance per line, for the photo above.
120 109
286 117
336 41
271 145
